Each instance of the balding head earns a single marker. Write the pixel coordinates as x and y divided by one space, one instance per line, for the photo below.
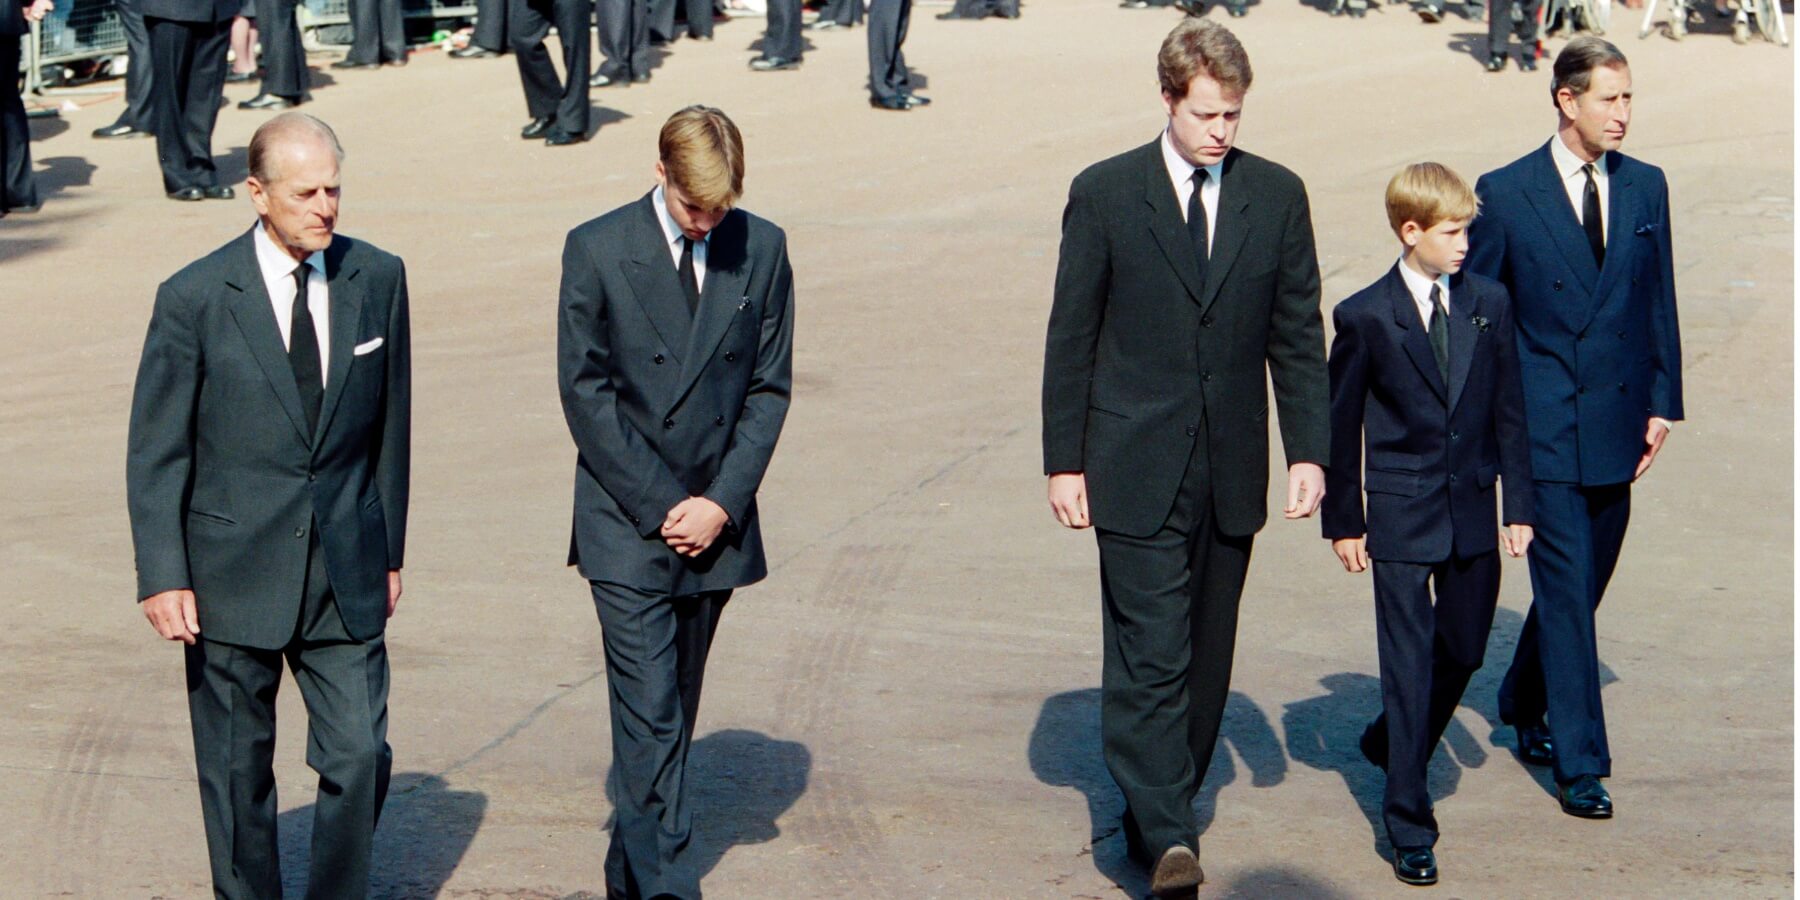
294 182
289 132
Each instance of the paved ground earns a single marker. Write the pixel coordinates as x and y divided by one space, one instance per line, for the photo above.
907 707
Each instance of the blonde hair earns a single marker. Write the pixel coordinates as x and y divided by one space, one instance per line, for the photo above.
1428 193
703 154
1202 47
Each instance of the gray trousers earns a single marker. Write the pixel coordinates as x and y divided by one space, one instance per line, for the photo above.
231 699
888 75
656 650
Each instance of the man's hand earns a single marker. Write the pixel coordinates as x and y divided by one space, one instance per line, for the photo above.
1306 489
1653 441
1068 499
173 615
693 525
1352 552
393 591
1515 538
36 12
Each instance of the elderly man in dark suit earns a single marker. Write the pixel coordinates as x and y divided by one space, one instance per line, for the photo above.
267 482
18 189
188 41
674 355
1187 277
1580 235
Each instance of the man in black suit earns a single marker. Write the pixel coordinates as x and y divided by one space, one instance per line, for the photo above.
674 356
1186 267
558 108
267 482
187 48
18 187
624 32
782 45
890 81
285 76
136 120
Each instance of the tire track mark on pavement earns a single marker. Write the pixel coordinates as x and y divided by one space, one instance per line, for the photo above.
77 806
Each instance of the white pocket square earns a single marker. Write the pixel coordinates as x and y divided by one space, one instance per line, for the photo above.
366 347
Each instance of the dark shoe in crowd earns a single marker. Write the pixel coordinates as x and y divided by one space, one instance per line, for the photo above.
1134 4
218 192
1177 873
1497 63
707 38
350 64
268 101
1430 15
1357 12
239 77
950 16
1585 798
915 100
188 194
537 128
897 104
1534 747
600 80
9 210
774 63
823 24
1415 865
560 138
641 78
120 130
396 63
1237 10
473 51
1528 60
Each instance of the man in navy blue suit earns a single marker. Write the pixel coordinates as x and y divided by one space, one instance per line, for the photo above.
1579 234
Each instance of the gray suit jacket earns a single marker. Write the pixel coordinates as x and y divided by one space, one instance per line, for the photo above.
664 405
225 485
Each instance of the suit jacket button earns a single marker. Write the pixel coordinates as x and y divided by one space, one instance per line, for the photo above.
1205 376
668 423
1581 337
1621 335
1556 285
1581 390
730 357
1206 321
634 519
1452 474
299 532
311 477
1192 430
1453 435
658 359
1621 387
720 421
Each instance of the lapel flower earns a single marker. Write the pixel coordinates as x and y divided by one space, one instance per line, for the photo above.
1480 322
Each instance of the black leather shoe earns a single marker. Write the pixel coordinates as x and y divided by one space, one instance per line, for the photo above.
1497 63
1191 7
1535 748
396 63
915 100
1585 798
560 138
1430 15
188 194
897 104
239 77
829 24
268 101
537 128
1237 10
1373 745
606 81
774 64
1528 61
1134 4
347 64
641 78
1415 865
218 192
1177 873
473 52
119 130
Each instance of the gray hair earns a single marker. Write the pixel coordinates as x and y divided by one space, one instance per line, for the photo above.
281 129
1575 65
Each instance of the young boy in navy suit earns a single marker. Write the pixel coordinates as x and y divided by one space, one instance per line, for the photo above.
1425 377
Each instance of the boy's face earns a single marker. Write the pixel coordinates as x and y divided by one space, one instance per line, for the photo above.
1438 250
694 219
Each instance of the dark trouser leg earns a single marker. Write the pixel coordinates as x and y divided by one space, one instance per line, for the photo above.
781 37
141 73
696 621
283 58
652 822
377 31
1500 22
888 75
572 18
231 701
18 187
700 18
1219 564
613 23
490 26
660 14
189 58
530 24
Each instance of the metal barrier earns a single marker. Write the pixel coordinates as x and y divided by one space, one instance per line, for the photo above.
337 12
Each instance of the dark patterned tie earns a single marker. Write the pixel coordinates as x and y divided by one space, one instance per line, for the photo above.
1590 217
690 285
1438 330
303 353
1196 222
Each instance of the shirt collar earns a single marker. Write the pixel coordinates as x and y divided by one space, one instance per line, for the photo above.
1420 287
275 263
1180 170
1568 165
671 231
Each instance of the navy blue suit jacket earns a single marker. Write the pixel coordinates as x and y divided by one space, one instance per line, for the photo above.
1434 448
1599 348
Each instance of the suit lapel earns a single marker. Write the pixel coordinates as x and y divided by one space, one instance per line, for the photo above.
1232 226
654 282
346 298
1621 218
1412 333
254 313
1551 201
1464 305
722 299
1166 222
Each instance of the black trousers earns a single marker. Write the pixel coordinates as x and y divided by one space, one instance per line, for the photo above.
656 649
377 31
1170 628
781 34
18 187
189 58
283 58
566 101
1428 654
1556 667
981 9
698 13
1500 22
624 29
843 12
231 700
141 73
491 25
888 75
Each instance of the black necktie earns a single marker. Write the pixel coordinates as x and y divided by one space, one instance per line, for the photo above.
1196 222
1590 216
1438 331
690 285
303 353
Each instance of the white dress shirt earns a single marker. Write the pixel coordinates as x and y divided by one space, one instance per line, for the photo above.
672 236
278 276
1568 168
1181 174
1420 288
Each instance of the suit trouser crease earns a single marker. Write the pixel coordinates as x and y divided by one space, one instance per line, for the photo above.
377 32
1579 532
491 26
18 186
1500 24
1169 632
624 32
781 34
189 59
656 648
1428 653
141 74
546 96
283 57
888 75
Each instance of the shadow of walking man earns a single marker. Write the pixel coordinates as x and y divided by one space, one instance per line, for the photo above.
425 830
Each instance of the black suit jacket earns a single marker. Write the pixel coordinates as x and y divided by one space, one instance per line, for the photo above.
1142 355
664 405
12 19
1432 447
224 483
